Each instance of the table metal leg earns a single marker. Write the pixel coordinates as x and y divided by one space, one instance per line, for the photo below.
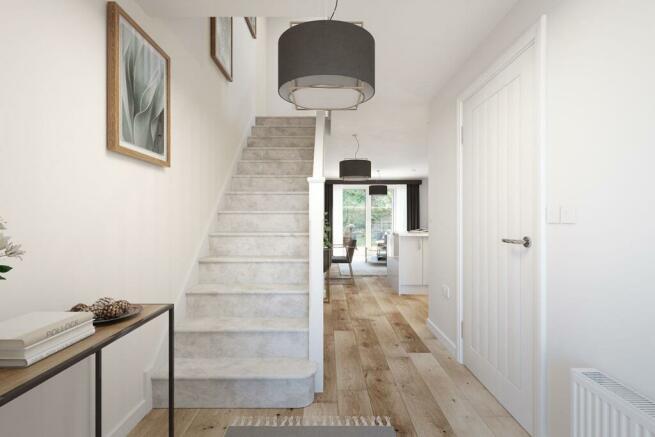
98 420
171 373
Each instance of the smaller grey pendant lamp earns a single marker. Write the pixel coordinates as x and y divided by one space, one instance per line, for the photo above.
377 190
355 169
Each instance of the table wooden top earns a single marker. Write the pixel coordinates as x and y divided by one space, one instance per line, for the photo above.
16 381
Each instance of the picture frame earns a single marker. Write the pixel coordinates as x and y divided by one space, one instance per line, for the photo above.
221 44
138 91
252 25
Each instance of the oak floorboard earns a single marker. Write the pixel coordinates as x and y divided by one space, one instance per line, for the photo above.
329 371
454 405
349 369
354 403
371 354
424 412
408 337
483 402
156 423
386 401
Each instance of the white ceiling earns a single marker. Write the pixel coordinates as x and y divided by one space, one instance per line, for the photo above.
420 44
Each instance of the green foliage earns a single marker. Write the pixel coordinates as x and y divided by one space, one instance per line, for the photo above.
4 269
327 232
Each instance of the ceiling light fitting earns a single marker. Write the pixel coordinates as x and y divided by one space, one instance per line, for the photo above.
355 169
326 65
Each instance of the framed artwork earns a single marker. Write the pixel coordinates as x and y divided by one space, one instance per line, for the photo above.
252 25
221 44
138 91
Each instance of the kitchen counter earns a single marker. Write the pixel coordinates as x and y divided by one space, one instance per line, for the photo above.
408 262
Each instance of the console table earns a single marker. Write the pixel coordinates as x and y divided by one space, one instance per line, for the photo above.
17 381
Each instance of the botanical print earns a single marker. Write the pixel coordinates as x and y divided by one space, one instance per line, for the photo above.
142 94
221 44
8 249
138 91
252 25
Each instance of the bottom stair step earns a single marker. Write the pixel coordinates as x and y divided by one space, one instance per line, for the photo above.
237 383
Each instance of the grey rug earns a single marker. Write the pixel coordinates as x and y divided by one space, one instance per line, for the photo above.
310 431
362 268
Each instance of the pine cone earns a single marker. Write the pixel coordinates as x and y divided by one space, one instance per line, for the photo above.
81 307
123 305
104 301
112 310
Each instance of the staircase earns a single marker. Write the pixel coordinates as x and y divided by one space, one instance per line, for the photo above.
244 341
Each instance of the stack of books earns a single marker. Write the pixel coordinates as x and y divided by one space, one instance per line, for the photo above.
26 339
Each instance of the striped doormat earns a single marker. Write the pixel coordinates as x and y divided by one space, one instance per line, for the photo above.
327 426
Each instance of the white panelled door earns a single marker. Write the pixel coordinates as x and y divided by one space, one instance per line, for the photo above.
499 197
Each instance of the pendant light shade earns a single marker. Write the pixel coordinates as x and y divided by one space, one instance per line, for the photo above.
355 169
326 65
377 190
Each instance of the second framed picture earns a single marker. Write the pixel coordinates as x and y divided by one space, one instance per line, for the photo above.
221 44
252 25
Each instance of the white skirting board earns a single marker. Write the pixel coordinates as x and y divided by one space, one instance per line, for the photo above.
447 342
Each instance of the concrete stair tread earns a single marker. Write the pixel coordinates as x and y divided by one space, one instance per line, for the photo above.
268 176
259 234
280 148
243 324
276 161
262 212
283 136
240 368
251 259
268 193
215 289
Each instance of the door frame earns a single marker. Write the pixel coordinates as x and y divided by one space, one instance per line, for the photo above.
534 37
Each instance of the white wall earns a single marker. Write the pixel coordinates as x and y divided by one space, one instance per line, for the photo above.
96 223
424 201
599 157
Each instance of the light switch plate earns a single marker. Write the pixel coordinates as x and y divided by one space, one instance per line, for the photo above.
568 215
445 290
553 215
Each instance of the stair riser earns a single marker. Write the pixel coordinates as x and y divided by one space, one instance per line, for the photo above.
265 202
286 121
263 222
241 344
275 168
247 305
279 131
270 184
268 246
253 273
235 393
281 142
261 153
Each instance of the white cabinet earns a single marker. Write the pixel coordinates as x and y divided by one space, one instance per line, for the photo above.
408 262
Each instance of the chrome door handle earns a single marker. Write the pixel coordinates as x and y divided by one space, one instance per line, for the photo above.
525 242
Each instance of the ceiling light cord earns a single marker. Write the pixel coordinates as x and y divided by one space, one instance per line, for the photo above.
336 3
357 150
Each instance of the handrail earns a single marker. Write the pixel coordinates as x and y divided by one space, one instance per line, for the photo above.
316 221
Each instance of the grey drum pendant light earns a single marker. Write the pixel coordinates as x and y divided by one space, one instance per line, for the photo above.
377 190
355 169
326 65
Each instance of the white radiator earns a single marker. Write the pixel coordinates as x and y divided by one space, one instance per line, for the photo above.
603 407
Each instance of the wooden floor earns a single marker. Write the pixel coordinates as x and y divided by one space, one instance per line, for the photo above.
380 359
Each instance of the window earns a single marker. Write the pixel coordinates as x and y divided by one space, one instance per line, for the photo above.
368 218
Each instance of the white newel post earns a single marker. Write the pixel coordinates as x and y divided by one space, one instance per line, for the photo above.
316 195
316 220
